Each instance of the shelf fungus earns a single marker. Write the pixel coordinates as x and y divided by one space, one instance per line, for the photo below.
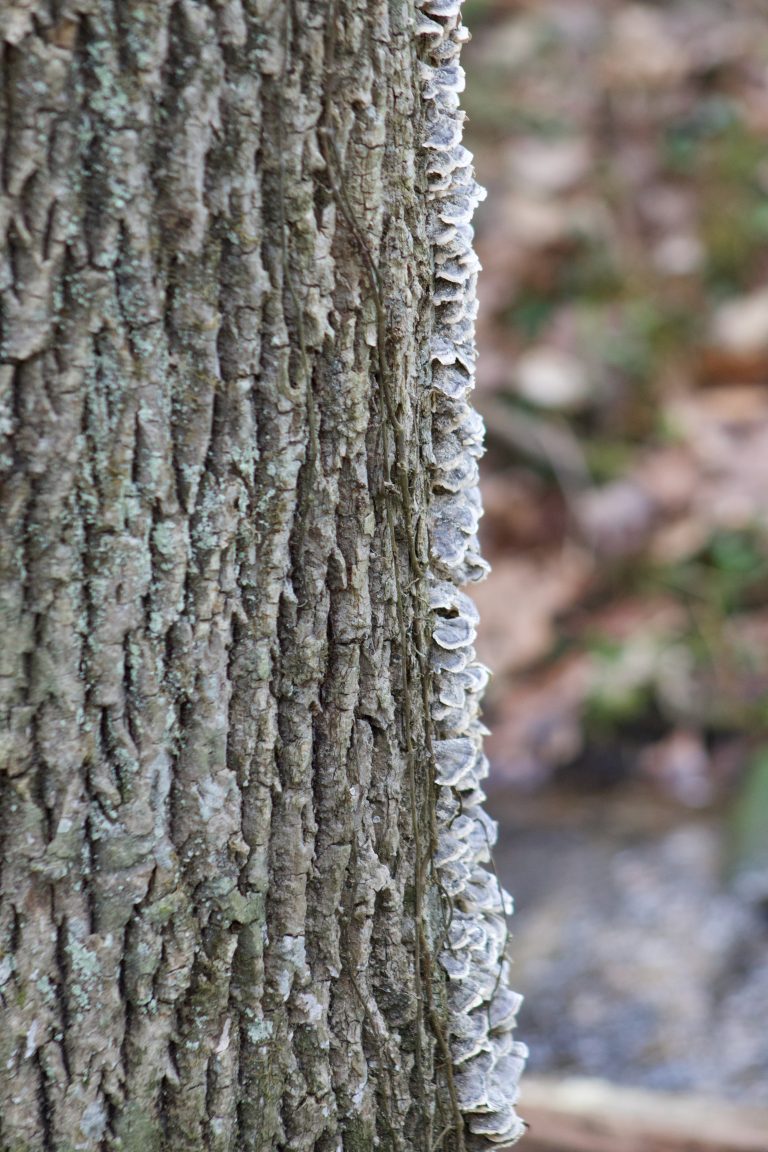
487 1061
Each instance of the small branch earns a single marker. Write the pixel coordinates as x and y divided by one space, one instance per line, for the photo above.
582 1115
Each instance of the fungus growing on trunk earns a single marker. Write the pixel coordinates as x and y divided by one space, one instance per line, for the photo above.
487 1061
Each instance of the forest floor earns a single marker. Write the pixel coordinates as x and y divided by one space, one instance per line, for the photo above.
624 380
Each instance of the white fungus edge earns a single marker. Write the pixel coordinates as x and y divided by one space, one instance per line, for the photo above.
482 1009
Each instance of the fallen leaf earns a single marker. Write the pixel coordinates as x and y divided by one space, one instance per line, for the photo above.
549 378
519 602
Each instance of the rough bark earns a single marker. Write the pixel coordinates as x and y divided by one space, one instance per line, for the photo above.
217 920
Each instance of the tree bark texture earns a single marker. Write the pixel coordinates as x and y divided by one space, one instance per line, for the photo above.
219 909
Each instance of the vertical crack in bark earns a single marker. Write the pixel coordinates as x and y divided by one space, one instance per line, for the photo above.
61 987
46 1108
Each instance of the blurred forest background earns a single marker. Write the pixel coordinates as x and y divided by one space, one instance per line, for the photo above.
624 380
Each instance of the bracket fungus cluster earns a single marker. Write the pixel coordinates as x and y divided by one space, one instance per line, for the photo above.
487 1061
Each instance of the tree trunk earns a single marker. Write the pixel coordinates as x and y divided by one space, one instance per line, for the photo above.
225 758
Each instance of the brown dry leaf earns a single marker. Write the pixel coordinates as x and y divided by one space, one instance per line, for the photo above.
720 366
642 52
530 220
749 633
537 724
521 512
670 477
513 44
676 542
737 347
722 44
549 167
616 519
733 408
727 431
666 207
744 672
623 619
518 605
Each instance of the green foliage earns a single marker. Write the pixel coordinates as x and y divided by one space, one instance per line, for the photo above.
475 13
610 708
725 575
606 459
748 825
628 684
495 113
724 157
684 137
530 313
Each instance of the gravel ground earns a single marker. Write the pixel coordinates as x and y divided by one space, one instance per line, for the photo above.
637 961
